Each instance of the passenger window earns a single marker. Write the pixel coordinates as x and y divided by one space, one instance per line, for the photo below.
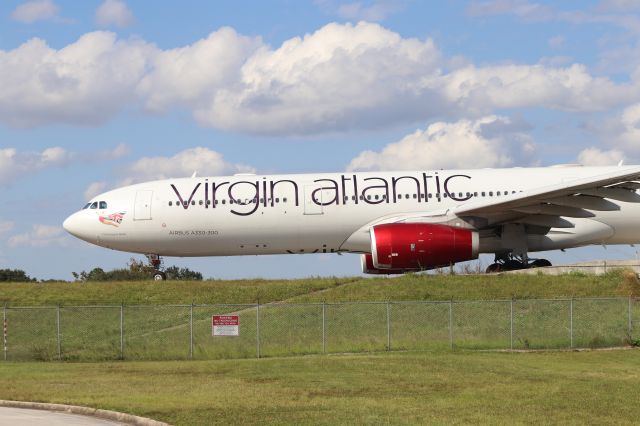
200 202
284 200
170 203
94 205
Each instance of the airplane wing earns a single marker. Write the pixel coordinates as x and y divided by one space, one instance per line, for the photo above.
545 206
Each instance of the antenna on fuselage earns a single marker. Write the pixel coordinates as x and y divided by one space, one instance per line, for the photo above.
620 163
194 174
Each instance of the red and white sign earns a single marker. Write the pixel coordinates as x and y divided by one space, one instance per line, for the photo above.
225 325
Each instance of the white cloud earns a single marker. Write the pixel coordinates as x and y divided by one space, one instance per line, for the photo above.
619 5
14 164
114 12
94 189
372 10
556 42
84 83
119 151
338 78
201 160
40 236
572 88
620 133
487 142
5 226
192 75
36 10
597 157
536 12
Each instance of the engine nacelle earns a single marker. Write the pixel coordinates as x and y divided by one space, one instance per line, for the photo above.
366 260
418 246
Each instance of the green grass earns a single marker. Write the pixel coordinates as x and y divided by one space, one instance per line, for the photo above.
153 331
594 387
407 287
159 293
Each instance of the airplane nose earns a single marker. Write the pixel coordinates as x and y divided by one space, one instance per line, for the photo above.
77 225
70 224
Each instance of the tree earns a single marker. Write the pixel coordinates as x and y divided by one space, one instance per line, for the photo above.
184 274
14 275
136 271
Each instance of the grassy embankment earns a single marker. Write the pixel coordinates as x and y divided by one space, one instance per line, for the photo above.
396 388
158 332
408 287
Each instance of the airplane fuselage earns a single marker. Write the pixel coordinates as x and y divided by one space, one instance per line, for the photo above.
323 213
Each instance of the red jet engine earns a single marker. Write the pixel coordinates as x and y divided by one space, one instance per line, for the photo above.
404 247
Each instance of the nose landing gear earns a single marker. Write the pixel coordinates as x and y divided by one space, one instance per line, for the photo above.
156 262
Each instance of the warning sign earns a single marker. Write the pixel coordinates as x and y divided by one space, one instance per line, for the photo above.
225 325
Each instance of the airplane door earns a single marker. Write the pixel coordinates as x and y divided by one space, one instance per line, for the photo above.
142 206
313 199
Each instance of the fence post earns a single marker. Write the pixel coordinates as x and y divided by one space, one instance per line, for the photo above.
630 319
571 323
122 331
511 322
388 327
4 331
191 331
451 323
324 336
58 332
258 330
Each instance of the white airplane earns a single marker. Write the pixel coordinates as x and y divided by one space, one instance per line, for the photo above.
397 221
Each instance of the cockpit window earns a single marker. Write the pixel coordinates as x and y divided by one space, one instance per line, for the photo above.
94 205
87 206
103 205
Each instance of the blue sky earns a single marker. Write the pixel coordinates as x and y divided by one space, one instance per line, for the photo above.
97 94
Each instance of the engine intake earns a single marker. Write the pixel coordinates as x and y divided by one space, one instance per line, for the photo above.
418 246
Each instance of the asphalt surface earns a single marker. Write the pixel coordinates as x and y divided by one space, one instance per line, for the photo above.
29 417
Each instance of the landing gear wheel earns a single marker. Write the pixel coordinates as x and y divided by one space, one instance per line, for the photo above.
513 265
493 268
540 263
159 276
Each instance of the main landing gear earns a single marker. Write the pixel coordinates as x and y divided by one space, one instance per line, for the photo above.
156 262
514 263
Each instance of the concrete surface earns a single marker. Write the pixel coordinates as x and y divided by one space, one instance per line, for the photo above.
596 267
43 413
29 417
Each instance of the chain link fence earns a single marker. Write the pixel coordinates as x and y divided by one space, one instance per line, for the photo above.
173 332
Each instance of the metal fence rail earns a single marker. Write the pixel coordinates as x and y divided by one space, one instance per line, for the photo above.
155 332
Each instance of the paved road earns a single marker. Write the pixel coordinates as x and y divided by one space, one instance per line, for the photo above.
28 417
